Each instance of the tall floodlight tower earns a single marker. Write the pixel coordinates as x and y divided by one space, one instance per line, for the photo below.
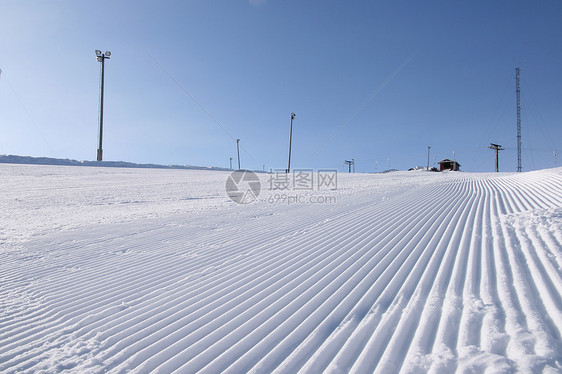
518 95
101 58
290 141
238 151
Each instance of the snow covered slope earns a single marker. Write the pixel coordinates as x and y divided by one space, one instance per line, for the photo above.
116 270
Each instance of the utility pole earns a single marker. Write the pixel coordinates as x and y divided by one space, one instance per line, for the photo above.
238 150
497 148
428 148
290 141
101 58
231 163
349 163
518 96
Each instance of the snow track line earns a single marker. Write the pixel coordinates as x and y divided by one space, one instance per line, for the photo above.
438 276
376 287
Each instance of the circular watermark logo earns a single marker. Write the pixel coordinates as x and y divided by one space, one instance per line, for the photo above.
243 186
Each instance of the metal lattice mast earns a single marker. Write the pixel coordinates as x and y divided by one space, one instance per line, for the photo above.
518 94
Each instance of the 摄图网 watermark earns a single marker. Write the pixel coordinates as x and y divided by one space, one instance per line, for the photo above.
244 186
303 180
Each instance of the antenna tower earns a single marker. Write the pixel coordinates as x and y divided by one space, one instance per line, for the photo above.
518 95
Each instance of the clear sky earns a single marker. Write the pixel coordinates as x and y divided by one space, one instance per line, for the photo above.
376 81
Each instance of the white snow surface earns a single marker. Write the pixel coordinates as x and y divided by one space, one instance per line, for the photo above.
118 270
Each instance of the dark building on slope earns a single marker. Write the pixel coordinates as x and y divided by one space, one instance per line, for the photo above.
448 164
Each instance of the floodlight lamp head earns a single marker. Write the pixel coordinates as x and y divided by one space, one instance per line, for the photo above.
107 53
98 52
292 115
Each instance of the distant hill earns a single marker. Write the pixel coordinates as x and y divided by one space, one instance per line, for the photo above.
13 159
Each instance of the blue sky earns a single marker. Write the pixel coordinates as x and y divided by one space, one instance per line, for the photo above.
377 81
